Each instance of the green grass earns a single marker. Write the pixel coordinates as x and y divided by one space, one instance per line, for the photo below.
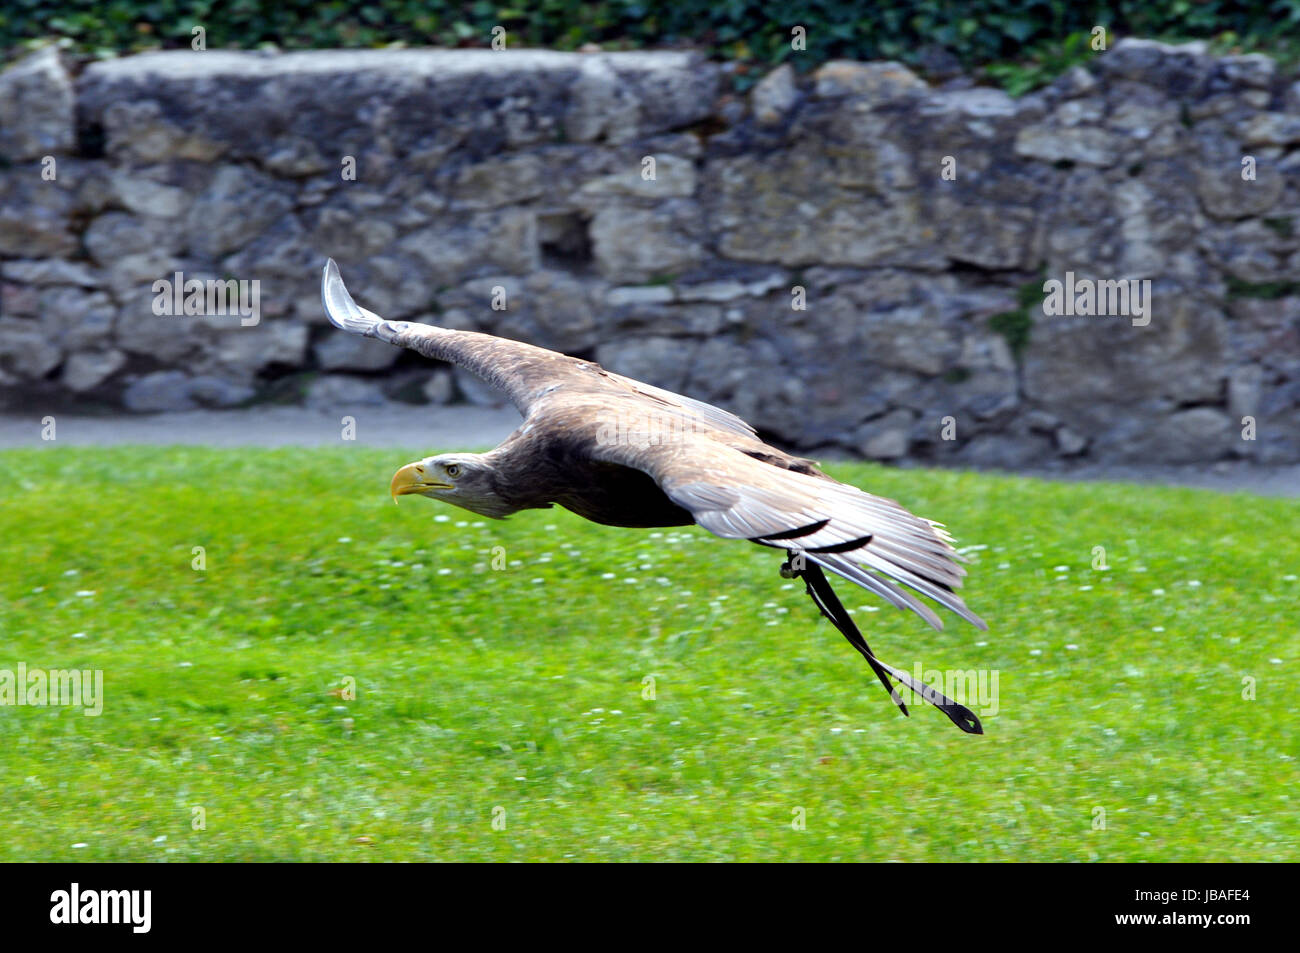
521 689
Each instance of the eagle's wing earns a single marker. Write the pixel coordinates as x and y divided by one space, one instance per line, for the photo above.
687 408
867 539
525 373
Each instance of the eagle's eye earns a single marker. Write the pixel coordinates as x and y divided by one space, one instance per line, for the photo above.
453 469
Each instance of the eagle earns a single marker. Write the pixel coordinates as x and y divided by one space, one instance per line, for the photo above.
623 453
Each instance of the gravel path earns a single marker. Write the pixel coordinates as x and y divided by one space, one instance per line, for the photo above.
466 427
1225 477
456 427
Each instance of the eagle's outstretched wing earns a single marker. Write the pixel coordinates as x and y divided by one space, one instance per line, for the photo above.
524 372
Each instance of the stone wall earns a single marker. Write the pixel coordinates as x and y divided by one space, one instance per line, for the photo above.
916 225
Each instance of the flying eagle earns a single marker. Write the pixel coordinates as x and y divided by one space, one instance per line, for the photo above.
623 453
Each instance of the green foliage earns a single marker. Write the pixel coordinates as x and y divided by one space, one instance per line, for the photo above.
1024 45
1266 290
1283 226
1030 294
1016 325
1119 687
1047 60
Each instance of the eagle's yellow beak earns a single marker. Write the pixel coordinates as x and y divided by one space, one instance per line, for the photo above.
411 479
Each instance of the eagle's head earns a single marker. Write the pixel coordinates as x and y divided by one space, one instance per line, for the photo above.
467 480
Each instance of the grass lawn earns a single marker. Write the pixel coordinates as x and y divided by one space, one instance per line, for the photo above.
518 693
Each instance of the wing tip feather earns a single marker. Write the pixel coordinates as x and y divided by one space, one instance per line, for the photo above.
342 311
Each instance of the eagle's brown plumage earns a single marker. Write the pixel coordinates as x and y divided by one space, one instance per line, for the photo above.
623 453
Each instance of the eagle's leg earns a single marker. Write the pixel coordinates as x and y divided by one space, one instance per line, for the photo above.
823 596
